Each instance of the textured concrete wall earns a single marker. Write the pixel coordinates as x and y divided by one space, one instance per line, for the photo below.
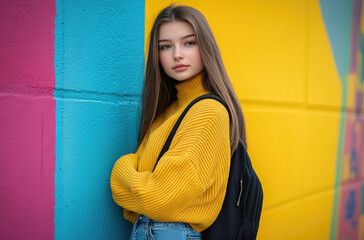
99 62
70 83
27 119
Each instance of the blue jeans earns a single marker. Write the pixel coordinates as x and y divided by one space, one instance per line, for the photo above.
147 229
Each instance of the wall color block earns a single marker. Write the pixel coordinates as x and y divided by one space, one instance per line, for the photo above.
27 119
99 62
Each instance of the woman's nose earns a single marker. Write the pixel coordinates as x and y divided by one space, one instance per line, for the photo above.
178 53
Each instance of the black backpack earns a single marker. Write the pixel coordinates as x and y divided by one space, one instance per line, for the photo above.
240 213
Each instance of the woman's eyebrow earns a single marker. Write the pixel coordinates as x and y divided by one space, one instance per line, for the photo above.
187 36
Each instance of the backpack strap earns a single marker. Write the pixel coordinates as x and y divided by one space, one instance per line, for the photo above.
174 130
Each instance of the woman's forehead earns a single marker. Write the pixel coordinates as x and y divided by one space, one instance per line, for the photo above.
175 30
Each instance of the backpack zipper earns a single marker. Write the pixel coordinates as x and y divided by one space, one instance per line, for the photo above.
241 191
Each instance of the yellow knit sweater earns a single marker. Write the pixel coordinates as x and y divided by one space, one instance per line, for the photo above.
189 183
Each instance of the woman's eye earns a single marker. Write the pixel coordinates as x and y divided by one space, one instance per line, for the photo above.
190 43
164 47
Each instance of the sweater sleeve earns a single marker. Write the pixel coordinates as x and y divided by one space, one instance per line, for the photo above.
131 160
198 155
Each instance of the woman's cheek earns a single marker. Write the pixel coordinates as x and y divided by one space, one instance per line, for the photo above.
163 58
195 54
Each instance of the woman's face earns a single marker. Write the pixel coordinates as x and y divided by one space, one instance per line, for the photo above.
179 53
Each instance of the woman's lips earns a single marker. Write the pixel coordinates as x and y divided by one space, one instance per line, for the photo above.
180 67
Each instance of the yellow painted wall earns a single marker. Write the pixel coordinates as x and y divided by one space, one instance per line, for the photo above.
279 59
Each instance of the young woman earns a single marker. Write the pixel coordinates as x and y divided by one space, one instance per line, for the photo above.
185 192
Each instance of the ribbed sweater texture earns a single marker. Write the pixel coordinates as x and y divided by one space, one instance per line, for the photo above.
189 183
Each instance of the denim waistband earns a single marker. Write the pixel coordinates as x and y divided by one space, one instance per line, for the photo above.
144 227
144 219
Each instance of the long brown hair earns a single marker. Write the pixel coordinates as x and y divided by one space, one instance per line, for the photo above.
159 91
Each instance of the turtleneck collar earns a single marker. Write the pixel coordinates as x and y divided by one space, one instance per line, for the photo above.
190 89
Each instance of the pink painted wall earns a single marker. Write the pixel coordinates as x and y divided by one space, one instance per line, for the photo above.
27 119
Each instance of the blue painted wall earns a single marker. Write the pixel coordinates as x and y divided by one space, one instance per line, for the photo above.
337 17
99 62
